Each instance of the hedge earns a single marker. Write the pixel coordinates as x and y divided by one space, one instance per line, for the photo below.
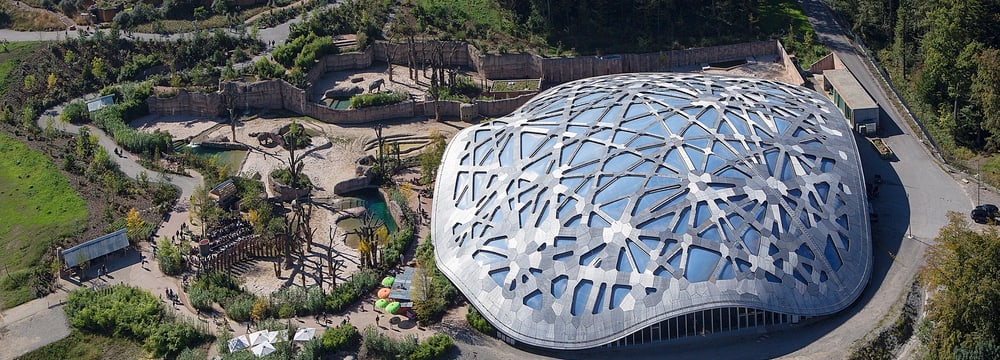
378 99
342 337
351 290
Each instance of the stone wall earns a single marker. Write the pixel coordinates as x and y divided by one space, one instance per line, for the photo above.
829 62
792 73
201 104
278 94
340 62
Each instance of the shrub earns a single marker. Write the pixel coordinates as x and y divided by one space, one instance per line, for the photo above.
76 112
351 290
169 257
170 338
265 69
239 308
381 346
118 310
340 338
378 99
433 348
285 177
478 322
200 298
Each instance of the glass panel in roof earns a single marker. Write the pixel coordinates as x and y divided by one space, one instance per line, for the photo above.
743 265
589 151
568 208
622 137
771 158
589 97
580 295
640 124
559 285
696 156
711 234
564 241
534 300
587 169
701 213
599 301
578 129
727 271
826 165
694 131
645 167
615 209
805 251
831 254
618 293
714 163
657 182
823 189
787 170
735 220
676 123
506 154
643 140
780 124
623 264
483 152
641 257
771 277
751 238
544 214
701 264
589 116
499 242
529 143
540 165
674 160
589 256
658 224
657 129
499 275
596 221
651 242
603 135
571 182
620 162
708 117
648 200
523 214
682 221
636 109
844 241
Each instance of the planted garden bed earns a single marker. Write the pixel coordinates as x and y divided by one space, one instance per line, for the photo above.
883 149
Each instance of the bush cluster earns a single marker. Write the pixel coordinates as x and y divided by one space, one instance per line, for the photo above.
285 177
169 257
351 290
378 99
433 348
477 321
438 294
303 51
342 337
382 346
132 313
114 119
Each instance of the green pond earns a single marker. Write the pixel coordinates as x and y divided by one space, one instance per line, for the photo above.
374 204
338 104
233 159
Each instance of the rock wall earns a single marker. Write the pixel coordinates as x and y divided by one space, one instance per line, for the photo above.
350 185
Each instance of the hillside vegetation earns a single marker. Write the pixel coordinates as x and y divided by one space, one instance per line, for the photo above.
39 209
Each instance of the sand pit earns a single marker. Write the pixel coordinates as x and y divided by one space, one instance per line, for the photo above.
179 126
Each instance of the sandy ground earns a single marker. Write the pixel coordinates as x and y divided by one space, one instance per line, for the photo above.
325 168
180 126
400 80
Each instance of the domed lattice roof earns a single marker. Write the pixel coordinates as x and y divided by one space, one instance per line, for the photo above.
608 204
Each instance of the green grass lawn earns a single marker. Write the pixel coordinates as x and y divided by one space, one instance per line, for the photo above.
83 346
39 208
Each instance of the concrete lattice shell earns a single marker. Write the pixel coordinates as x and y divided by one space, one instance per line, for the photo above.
608 204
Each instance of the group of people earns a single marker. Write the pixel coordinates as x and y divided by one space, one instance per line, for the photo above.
230 231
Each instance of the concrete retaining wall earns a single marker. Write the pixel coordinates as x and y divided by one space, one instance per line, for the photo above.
201 104
792 73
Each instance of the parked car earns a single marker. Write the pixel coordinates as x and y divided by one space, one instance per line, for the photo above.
986 213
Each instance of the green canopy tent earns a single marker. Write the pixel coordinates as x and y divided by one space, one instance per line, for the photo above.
381 303
387 282
393 307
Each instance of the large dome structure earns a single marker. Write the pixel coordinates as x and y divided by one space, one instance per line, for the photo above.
608 205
